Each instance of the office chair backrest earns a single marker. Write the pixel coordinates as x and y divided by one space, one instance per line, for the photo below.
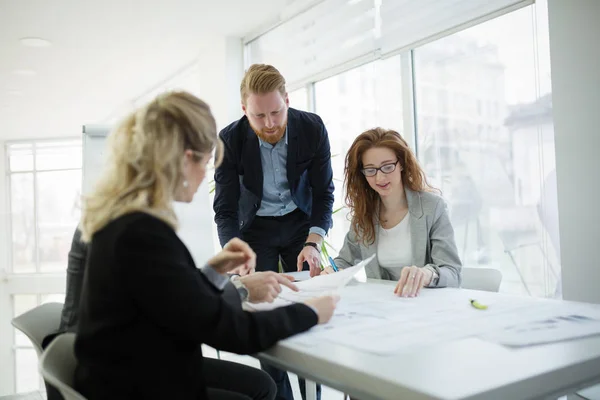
39 322
487 279
57 365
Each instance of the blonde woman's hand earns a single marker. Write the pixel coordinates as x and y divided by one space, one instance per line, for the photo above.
327 270
325 306
242 270
412 279
236 254
266 286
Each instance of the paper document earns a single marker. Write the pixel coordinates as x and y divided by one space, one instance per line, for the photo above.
333 281
372 319
551 329
299 276
321 285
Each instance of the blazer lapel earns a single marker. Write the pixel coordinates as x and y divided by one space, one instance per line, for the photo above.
418 228
253 173
292 147
372 269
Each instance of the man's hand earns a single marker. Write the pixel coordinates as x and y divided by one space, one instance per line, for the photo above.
312 257
236 254
311 254
266 286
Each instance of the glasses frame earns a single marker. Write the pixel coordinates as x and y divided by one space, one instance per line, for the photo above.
363 170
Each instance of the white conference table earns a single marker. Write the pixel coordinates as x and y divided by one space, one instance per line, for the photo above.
469 368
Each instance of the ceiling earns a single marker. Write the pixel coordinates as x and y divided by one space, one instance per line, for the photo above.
104 53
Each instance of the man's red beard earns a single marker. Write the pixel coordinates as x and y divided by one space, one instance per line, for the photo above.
271 138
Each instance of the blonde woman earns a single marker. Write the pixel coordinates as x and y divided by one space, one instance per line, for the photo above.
397 215
145 307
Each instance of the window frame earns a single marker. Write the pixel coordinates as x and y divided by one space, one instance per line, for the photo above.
13 283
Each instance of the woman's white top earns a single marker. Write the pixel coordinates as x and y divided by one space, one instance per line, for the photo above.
394 247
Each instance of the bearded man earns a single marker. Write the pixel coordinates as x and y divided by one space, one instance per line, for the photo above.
274 187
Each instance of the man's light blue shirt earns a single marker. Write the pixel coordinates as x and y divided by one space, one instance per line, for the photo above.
277 197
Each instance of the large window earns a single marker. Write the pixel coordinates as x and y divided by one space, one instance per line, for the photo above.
350 103
44 186
299 99
485 138
481 104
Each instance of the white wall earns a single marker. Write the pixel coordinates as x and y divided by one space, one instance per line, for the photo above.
214 76
221 68
218 75
575 62
227 106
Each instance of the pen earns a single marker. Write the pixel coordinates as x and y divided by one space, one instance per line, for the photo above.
335 268
478 305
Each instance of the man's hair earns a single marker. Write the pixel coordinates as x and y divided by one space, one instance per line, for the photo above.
261 79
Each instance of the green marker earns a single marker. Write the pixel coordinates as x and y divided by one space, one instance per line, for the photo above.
478 305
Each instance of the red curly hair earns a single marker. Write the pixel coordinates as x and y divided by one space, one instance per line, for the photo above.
362 200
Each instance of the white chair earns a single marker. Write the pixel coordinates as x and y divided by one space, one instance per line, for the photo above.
39 322
486 279
57 365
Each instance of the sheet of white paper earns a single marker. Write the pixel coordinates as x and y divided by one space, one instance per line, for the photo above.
313 287
279 302
554 328
332 281
299 276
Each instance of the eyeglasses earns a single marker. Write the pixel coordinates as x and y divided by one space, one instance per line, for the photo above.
386 169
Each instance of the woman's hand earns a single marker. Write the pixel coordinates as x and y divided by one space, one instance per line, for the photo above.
242 270
325 306
412 279
327 270
236 254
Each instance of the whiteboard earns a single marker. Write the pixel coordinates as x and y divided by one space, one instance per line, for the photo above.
195 219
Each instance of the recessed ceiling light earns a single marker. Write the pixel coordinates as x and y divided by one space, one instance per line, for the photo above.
35 42
24 72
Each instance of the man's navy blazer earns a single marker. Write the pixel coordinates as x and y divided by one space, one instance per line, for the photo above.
239 178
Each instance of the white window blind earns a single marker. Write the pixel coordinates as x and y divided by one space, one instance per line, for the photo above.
335 32
326 35
406 24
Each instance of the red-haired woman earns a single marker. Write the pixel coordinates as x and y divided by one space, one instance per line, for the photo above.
396 215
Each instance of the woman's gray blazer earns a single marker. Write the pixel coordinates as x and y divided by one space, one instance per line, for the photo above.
432 237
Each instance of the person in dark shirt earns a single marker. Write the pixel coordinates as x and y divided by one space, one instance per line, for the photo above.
145 308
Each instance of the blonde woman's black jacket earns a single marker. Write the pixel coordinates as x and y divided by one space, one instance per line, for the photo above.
145 308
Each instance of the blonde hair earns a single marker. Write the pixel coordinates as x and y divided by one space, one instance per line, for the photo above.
261 79
145 164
